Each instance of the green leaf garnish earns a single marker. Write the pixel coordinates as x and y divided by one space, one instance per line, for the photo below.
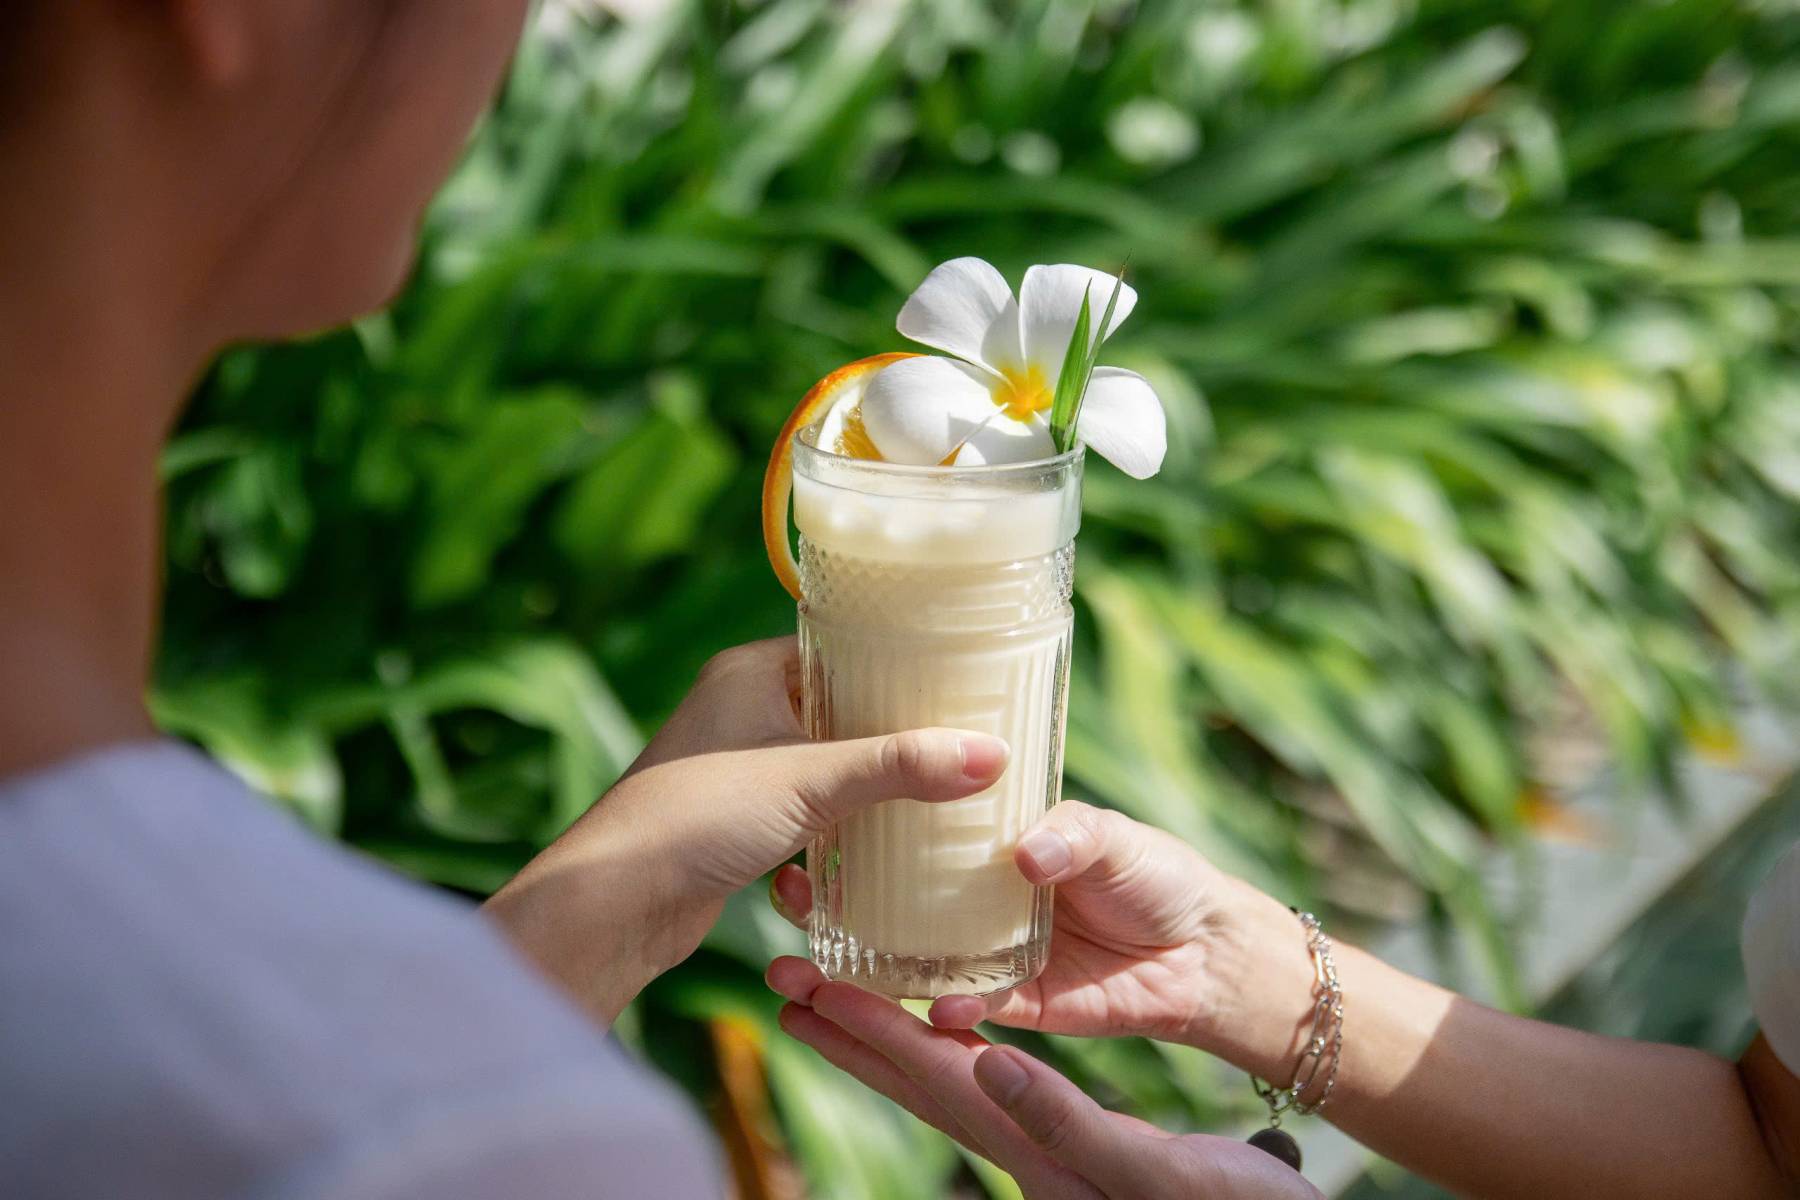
1069 381
1078 367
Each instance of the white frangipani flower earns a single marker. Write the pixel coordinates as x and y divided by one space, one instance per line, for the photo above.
991 402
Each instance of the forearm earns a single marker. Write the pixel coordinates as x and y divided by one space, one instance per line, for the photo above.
603 980
601 916
1489 1104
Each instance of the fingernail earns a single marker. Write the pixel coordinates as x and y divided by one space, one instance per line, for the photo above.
1001 1077
1049 850
983 757
777 902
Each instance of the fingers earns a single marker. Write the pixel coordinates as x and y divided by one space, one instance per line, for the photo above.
835 779
798 979
765 678
795 978
776 658
790 892
1075 839
1068 842
1058 1118
961 1012
731 817
855 1059
942 1064
1022 1006
1123 1155
743 699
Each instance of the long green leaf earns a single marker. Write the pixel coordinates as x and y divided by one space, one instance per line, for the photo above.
1078 368
1069 381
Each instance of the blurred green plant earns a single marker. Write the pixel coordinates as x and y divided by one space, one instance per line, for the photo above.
1476 322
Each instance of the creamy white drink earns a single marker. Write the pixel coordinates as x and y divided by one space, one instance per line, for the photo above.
937 498
936 596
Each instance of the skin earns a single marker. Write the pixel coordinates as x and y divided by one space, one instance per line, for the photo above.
182 175
1055 1142
185 174
730 787
1152 940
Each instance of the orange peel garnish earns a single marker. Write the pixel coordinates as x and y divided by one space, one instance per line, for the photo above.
778 481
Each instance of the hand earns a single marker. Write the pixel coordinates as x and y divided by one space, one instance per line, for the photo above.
729 788
1150 939
1013 1110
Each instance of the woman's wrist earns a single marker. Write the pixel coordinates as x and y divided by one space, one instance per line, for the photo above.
598 917
1261 983
1263 979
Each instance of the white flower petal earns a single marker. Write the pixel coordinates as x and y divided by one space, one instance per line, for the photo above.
832 424
1049 302
1123 422
1004 440
920 409
1001 349
958 306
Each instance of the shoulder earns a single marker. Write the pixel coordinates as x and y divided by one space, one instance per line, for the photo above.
550 1132
188 974
1771 948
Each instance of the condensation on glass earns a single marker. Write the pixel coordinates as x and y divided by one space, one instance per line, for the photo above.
936 596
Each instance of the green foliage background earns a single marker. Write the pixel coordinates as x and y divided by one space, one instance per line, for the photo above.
1476 322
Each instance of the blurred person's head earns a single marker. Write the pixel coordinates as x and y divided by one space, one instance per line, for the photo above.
176 175
255 168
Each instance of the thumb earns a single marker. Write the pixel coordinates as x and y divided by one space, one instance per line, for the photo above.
1055 1114
835 779
1077 839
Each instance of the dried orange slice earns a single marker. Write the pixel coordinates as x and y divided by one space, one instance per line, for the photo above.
844 385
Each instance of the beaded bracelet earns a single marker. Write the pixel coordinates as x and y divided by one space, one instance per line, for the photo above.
1323 1050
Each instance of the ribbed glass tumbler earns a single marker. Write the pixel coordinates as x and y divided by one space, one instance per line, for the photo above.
936 596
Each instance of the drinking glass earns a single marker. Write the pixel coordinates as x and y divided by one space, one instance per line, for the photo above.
936 596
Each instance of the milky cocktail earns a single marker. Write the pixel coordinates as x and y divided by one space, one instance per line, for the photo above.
937 499
936 596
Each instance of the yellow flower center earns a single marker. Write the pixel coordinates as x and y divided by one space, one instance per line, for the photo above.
1022 393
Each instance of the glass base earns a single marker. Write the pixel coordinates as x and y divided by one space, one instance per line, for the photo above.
914 977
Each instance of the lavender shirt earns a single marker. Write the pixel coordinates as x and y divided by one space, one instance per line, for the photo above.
198 998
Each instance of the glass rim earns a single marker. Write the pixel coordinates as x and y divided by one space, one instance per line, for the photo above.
806 447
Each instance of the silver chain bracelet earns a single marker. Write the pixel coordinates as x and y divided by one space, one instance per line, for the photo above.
1323 1051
